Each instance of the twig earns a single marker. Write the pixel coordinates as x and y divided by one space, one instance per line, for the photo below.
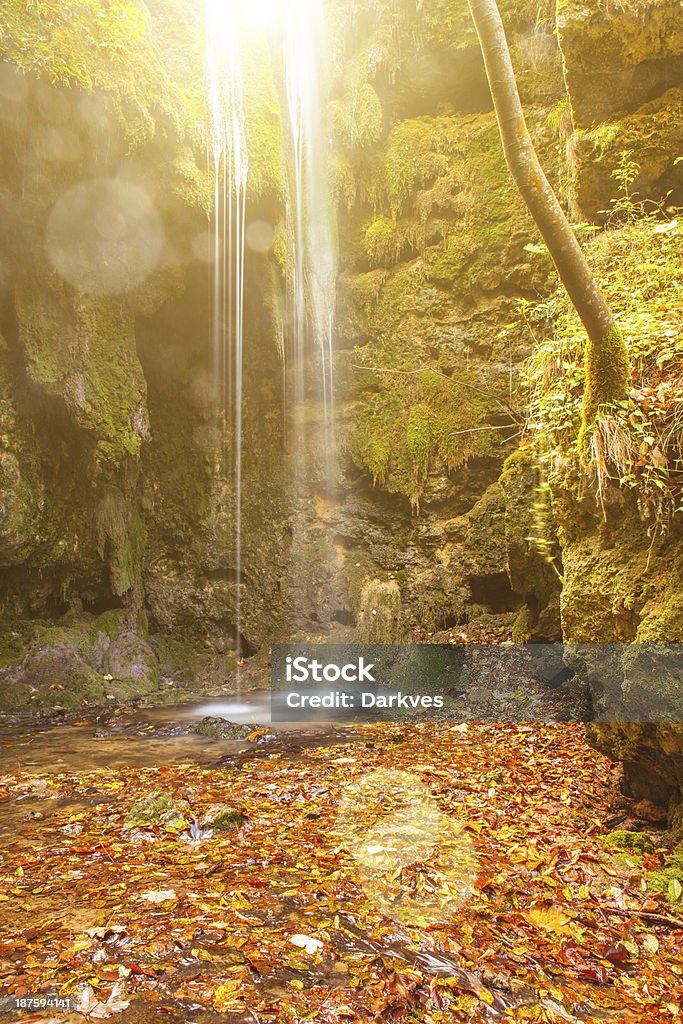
646 915
476 430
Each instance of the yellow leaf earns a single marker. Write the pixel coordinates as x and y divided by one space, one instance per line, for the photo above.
225 996
550 918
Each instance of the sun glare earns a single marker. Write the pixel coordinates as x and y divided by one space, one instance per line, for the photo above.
262 14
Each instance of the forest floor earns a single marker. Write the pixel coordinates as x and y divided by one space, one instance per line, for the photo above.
422 873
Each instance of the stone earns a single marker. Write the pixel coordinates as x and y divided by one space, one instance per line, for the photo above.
616 60
380 619
221 818
159 808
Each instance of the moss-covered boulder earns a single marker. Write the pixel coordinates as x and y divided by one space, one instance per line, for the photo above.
638 842
132 664
82 659
221 818
161 809
50 677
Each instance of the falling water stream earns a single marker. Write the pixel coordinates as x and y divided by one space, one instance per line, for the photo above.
296 33
310 210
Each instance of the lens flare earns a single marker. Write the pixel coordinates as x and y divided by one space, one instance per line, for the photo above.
418 865
105 236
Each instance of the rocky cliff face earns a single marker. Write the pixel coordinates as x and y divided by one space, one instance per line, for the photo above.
117 511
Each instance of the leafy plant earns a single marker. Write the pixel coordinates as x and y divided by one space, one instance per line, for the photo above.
625 207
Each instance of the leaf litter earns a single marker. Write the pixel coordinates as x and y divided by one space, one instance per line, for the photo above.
299 914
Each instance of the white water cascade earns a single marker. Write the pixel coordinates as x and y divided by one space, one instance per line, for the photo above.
295 30
311 217
231 173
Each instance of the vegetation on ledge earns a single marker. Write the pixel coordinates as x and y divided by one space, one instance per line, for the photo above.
637 443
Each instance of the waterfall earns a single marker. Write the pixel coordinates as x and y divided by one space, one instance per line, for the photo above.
231 173
310 212
296 31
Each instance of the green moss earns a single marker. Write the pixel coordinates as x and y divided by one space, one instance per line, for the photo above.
111 623
83 349
375 455
113 48
343 183
380 617
190 184
222 818
454 202
184 473
421 432
640 842
357 117
380 241
416 421
670 879
126 561
522 628
607 376
161 809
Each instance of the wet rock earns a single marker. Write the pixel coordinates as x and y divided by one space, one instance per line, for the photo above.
221 818
159 808
380 618
220 729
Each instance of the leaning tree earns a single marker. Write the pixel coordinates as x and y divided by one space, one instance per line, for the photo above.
606 359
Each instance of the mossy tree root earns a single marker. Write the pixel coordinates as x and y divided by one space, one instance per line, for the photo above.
608 373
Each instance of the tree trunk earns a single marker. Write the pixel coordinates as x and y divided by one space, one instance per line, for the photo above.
607 362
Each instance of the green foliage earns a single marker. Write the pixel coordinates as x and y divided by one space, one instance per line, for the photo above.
625 207
418 422
637 441
110 46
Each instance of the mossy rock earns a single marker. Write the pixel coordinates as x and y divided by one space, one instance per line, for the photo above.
380 618
220 729
161 809
639 842
52 676
653 138
132 663
221 818
636 49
